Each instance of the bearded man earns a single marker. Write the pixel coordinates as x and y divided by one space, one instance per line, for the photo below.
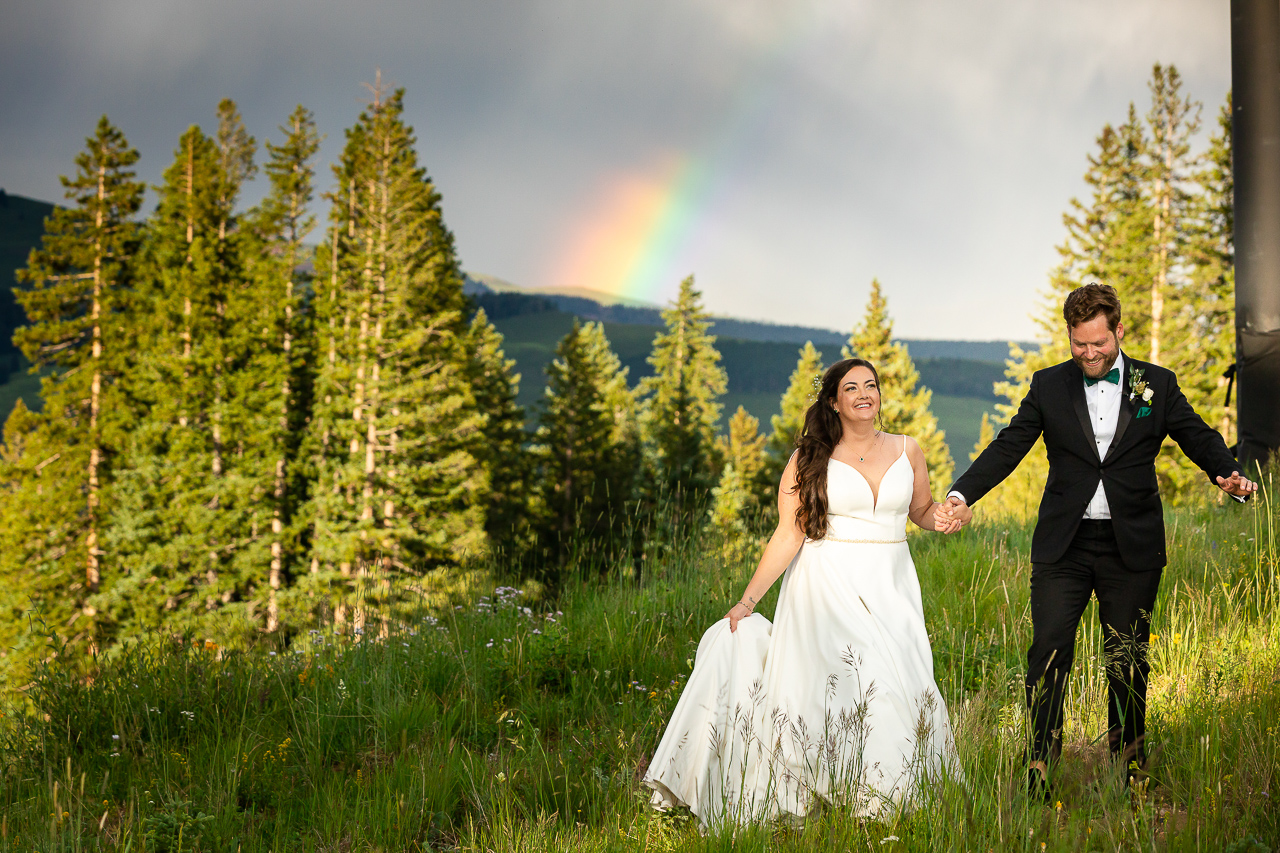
1103 416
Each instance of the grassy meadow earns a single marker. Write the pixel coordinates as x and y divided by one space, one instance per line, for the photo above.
513 720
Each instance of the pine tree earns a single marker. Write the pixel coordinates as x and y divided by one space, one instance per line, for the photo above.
789 422
1173 120
736 504
1157 229
394 432
80 278
272 382
1110 240
680 408
587 447
502 452
744 448
1209 313
904 409
182 515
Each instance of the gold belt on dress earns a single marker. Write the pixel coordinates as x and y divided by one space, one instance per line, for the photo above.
864 541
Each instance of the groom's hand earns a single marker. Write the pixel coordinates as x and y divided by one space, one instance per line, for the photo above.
1237 486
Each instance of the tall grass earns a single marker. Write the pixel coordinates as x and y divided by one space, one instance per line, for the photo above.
523 722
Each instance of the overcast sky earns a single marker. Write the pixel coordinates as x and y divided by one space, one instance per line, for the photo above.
787 152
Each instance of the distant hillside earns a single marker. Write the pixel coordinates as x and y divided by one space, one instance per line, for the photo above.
758 371
501 299
21 227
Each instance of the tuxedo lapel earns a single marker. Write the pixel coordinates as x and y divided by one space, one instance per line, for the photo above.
1126 406
1075 391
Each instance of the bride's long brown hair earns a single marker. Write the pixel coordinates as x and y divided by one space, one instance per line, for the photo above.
816 442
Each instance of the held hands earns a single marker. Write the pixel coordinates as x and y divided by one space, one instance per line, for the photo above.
1237 486
951 515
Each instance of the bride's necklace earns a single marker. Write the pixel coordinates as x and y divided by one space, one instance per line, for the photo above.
874 439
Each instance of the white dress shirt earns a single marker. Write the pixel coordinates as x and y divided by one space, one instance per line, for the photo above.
1103 400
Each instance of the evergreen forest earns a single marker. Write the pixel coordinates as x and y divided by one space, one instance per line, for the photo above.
253 422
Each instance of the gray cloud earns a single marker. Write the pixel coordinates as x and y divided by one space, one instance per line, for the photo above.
932 144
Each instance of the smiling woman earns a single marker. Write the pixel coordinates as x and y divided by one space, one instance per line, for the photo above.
788 706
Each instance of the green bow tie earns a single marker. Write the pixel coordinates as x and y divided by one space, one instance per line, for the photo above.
1113 376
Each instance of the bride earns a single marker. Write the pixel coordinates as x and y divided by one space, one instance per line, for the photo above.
836 699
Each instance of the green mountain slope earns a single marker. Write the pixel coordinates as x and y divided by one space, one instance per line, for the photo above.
21 227
758 371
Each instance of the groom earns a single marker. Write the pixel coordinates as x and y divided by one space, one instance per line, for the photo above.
1103 416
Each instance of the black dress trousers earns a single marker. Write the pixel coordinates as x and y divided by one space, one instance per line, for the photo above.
1060 590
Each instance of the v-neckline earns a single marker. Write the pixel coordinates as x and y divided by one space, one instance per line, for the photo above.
875 490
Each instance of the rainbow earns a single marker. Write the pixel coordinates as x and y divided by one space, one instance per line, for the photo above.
633 238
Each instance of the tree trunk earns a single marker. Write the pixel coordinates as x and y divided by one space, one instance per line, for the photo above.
92 567
1162 225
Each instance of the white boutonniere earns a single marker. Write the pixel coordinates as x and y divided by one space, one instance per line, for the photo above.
1138 386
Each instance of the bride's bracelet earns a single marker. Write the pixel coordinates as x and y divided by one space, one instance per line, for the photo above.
750 609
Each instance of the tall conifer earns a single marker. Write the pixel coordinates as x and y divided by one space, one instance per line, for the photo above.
1209 315
680 405
1155 228
502 452
1173 119
586 440
80 281
904 408
801 391
181 512
736 502
394 431
273 380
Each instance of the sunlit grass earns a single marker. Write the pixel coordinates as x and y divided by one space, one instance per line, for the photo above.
523 722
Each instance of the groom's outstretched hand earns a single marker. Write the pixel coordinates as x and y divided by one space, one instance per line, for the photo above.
1237 486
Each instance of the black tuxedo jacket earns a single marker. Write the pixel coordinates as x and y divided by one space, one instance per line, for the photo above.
1055 407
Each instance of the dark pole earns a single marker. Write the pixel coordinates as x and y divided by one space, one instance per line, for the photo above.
1255 127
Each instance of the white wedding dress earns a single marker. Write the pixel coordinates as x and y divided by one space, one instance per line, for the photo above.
836 699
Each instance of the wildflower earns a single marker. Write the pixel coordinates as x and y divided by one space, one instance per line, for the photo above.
501 777
887 839
115 737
